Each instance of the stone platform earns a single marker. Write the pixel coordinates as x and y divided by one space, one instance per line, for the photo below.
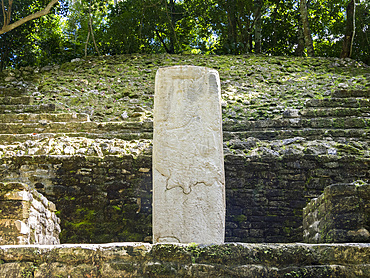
179 260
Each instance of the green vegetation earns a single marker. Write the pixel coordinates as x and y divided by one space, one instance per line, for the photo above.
122 87
79 28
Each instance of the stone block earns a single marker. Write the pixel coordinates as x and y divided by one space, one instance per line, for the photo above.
24 217
188 167
14 209
57 269
17 269
338 215
22 195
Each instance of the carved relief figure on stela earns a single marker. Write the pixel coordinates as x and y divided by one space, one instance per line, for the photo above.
188 170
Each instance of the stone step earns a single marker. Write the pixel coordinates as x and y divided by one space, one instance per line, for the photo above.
16 100
315 128
21 108
74 127
348 122
229 260
12 138
309 134
44 117
351 93
115 135
14 132
299 123
335 112
65 146
339 102
271 134
11 92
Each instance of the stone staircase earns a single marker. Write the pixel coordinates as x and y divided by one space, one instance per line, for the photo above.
275 166
15 100
346 114
20 120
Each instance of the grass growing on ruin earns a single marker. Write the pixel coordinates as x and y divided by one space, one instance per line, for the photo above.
253 86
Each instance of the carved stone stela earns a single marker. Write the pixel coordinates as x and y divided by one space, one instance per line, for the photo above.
188 166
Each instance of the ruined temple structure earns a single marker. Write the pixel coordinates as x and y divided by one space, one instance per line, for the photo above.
94 183
292 182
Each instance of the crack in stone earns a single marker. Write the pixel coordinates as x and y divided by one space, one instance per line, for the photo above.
158 239
182 187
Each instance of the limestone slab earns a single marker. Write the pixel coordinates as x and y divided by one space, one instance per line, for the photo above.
188 166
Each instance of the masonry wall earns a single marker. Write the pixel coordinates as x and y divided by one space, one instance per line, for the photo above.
265 196
108 199
98 199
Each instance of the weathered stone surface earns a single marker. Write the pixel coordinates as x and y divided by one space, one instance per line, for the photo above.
274 164
27 217
265 194
65 145
17 269
44 117
188 171
25 108
100 199
340 214
179 260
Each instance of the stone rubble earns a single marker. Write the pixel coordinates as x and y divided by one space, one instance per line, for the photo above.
65 145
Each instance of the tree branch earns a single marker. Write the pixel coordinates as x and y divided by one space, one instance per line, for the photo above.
162 41
7 28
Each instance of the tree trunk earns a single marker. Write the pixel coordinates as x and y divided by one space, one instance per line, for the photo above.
173 23
162 41
274 30
258 27
92 31
350 30
7 13
170 11
5 46
231 27
306 28
243 29
300 48
87 42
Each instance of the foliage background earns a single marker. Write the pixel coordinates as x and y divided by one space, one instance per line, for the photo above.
176 27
